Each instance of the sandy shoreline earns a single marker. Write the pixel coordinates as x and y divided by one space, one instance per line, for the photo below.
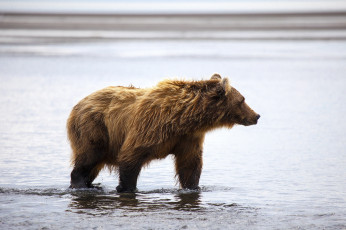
18 27
255 21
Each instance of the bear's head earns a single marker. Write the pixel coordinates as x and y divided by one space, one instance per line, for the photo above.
237 111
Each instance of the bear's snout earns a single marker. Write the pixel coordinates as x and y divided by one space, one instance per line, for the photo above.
250 120
256 119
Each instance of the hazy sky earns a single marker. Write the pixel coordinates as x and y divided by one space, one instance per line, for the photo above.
143 6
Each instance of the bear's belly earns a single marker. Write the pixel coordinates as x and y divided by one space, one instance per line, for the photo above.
163 150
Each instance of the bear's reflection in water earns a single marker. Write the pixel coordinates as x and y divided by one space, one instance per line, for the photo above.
96 202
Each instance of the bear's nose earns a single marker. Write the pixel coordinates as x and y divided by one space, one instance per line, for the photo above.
258 116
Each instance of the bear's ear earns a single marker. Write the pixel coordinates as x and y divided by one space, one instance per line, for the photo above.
225 85
215 76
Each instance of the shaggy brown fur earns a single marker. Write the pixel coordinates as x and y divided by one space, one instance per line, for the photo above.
125 128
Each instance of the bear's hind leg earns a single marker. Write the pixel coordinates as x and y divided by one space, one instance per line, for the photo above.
130 163
86 169
128 175
93 174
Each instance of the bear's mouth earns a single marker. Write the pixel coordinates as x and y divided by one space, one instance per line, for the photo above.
246 122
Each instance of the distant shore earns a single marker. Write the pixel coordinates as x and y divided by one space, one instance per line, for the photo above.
54 27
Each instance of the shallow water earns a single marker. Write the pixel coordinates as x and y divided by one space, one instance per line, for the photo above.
288 172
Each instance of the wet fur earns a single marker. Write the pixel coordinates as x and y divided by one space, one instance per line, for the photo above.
125 128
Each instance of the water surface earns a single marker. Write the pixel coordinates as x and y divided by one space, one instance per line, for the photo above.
288 172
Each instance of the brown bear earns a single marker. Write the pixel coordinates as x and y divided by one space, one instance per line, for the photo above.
125 128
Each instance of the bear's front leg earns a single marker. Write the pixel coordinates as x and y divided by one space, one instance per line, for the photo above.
188 167
188 160
128 174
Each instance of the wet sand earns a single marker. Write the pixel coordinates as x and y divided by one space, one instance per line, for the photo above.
64 27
